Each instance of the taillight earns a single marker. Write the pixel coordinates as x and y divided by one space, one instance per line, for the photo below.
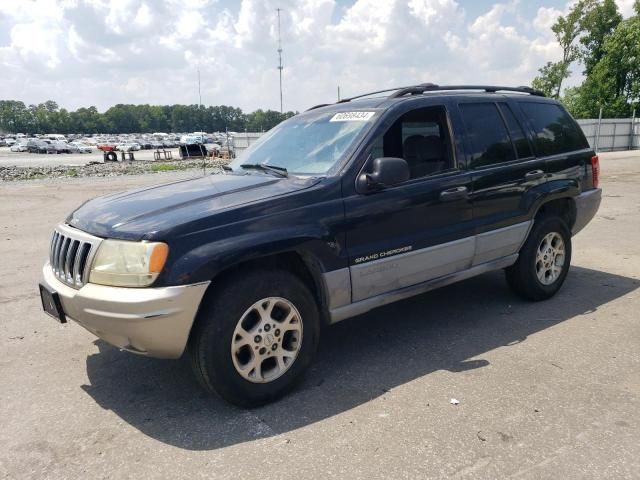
595 170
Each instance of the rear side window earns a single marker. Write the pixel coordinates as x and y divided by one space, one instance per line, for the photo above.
487 135
555 131
518 137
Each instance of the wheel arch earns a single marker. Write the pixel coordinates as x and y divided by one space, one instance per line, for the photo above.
301 263
562 206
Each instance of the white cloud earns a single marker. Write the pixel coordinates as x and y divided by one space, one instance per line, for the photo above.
102 52
431 12
626 7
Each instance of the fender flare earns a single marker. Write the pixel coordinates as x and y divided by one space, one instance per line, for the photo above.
555 190
312 243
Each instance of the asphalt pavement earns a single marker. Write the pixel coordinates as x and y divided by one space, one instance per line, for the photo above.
545 390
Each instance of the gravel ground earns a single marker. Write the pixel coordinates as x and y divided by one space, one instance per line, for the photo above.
546 390
25 159
109 169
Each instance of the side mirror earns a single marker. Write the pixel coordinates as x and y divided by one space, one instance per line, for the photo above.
385 172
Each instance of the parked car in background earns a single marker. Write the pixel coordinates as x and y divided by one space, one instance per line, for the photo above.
106 147
37 145
19 147
128 147
9 141
79 147
61 147
55 137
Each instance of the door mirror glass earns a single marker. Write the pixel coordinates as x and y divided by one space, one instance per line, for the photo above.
385 172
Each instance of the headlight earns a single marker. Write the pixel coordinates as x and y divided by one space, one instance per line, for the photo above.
128 264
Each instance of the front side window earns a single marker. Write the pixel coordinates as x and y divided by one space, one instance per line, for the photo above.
421 137
487 136
308 144
555 131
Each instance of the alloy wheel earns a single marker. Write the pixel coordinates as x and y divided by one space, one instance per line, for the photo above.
550 258
266 340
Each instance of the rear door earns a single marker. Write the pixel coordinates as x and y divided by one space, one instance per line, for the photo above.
504 172
419 230
558 138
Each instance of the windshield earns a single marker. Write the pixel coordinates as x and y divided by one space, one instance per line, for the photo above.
310 144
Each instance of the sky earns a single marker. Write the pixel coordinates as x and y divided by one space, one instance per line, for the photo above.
104 52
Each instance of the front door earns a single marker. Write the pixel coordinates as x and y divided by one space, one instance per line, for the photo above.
419 230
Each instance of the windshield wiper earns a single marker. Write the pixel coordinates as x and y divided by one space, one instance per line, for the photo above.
280 171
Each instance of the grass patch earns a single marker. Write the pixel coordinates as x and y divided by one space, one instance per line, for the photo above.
164 167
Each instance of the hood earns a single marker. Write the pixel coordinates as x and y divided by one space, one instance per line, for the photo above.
141 213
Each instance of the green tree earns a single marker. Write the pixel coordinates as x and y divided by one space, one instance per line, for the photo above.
566 29
47 117
614 83
86 120
15 117
551 75
597 23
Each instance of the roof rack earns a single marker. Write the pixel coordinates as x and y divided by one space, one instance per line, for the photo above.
432 87
375 93
318 106
344 100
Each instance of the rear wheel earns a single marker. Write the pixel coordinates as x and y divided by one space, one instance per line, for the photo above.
544 260
255 337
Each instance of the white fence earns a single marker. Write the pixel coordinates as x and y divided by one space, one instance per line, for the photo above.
242 141
612 134
606 135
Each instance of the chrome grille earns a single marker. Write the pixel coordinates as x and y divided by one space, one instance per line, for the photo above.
70 254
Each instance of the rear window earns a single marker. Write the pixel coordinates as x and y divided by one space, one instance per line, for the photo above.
555 131
487 135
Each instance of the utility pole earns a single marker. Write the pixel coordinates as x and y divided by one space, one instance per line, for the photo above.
338 92
280 67
204 163
199 93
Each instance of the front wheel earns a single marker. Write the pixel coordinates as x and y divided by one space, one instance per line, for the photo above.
255 337
544 260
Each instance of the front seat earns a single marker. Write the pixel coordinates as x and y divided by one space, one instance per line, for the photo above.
425 155
411 151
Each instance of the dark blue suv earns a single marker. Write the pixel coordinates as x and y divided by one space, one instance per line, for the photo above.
338 210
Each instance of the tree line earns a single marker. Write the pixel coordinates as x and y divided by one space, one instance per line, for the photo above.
48 117
595 36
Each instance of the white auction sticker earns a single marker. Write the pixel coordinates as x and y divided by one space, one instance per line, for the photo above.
352 117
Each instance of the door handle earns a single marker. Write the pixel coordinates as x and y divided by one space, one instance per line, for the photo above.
535 175
456 193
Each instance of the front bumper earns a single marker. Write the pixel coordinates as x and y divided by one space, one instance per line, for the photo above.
149 321
587 204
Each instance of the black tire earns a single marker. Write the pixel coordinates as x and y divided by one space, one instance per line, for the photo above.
210 342
522 276
111 157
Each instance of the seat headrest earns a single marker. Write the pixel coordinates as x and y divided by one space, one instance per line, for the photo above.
412 146
431 149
